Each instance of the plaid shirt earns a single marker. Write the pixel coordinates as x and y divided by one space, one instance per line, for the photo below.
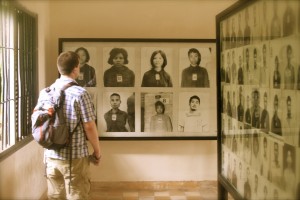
78 108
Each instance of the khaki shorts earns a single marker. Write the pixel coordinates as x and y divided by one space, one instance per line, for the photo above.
58 179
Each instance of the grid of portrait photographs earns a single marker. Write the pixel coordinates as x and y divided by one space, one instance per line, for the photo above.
260 92
147 88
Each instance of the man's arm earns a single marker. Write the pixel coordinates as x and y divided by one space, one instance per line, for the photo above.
92 135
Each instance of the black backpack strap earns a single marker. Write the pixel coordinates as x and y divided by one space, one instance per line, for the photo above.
68 85
70 146
71 134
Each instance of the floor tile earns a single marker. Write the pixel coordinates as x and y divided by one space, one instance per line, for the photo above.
178 198
130 194
146 198
161 194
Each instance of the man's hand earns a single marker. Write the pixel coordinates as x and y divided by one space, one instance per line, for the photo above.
94 159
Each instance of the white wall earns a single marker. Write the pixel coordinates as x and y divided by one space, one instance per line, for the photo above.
127 160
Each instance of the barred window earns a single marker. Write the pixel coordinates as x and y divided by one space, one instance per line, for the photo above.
18 73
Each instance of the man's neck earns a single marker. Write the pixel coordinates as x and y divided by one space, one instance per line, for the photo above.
68 76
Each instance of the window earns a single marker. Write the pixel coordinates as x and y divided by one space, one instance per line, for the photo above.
18 73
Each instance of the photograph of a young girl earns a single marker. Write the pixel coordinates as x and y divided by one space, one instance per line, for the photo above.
156 112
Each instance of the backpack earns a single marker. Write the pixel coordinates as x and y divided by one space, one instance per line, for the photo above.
49 127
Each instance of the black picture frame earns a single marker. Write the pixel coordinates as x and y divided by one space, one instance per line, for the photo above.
258 156
174 95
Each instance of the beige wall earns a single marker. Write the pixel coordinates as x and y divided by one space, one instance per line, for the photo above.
22 174
128 160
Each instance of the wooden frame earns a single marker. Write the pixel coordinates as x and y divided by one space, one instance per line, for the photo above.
139 86
258 137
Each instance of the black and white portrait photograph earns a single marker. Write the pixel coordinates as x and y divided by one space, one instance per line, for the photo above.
157 112
264 80
259 83
193 114
115 112
276 113
265 110
119 64
88 62
196 67
157 67
276 167
289 177
289 118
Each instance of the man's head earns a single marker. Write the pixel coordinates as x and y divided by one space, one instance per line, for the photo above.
194 102
67 62
115 100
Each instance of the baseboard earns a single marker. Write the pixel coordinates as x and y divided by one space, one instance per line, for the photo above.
153 185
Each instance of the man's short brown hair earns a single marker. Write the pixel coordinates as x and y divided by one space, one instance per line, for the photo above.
66 62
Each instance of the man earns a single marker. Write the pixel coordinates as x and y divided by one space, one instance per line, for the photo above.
248 113
240 108
289 129
264 71
240 72
194 120
276 122
247 186
234 176
276 168
255 75
116 119
255 110
229 107
264 120
233 68
265 168
289 71
228 69
79 110
247 71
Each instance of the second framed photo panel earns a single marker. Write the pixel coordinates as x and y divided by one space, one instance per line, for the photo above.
149 88
259 93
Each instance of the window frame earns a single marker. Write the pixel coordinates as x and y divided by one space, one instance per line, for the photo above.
23 87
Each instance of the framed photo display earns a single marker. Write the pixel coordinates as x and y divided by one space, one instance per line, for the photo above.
258 48
149 88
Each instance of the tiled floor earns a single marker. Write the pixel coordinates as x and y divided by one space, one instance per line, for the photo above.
204 190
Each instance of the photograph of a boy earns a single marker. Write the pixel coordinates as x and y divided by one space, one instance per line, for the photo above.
157 75
160 122
87 75
116 119
118 75
194 75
